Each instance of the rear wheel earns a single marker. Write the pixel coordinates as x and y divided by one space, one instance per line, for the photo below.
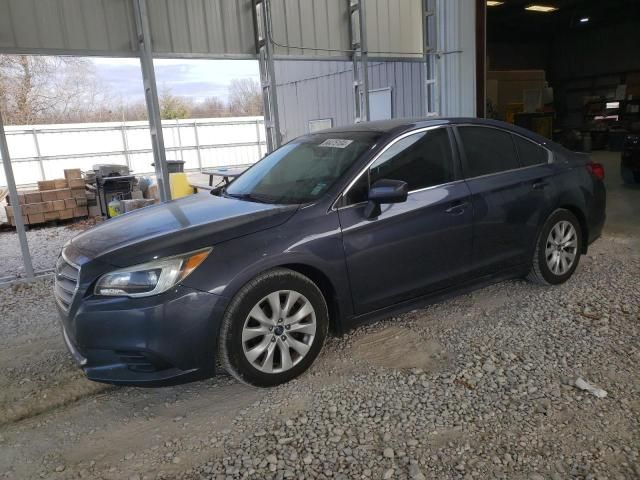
273 329
557 250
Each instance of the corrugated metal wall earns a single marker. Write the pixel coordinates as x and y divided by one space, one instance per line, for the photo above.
312 90
214 28
394 26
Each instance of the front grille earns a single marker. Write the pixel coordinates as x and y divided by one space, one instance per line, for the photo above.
66 282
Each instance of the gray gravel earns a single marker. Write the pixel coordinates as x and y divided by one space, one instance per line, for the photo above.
480 386
44 244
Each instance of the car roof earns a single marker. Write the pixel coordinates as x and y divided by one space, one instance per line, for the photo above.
399 125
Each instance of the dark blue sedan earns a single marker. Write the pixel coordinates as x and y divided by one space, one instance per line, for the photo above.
332 229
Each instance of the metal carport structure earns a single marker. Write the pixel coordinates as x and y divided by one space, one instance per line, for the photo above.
243 29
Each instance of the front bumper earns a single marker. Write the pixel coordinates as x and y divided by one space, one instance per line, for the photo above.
160 340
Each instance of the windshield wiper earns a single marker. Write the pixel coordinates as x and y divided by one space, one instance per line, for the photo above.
247 196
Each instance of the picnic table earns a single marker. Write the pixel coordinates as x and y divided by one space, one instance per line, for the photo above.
227 173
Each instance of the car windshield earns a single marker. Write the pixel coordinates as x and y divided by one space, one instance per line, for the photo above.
302 170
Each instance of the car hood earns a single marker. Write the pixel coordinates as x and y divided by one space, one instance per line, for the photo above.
175 227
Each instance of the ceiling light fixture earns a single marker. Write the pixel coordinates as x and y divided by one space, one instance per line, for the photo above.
493 3
584 19
541 8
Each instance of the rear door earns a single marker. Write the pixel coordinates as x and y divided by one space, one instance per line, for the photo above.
509 195
413 247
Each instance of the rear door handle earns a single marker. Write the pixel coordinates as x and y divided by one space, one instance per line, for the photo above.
457 208
540 185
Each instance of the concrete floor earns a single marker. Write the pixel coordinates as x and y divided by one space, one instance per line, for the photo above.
623 201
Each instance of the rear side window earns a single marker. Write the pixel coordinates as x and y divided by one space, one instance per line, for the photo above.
487 150
530 153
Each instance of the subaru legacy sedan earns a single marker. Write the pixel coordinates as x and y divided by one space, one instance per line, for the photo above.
332 229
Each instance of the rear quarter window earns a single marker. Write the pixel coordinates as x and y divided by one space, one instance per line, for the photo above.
487 150
530 153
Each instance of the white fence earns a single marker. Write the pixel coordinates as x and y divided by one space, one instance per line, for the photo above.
42 152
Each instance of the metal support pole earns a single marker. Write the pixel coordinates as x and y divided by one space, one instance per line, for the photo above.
195 134
264 49
151 95
179 140
15 203
37 145
258 138
364 58
125 145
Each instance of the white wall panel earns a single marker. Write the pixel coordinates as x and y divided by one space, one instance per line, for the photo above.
225 141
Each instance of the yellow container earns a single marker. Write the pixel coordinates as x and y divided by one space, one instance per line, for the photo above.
179 185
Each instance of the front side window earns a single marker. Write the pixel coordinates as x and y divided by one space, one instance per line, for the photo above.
487 150
530 153
423 159
302 170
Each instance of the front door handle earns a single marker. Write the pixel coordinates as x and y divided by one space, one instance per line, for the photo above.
540 185
457 208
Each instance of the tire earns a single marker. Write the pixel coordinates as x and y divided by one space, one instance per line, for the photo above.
261 347
545 269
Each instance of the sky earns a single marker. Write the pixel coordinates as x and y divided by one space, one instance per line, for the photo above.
196 79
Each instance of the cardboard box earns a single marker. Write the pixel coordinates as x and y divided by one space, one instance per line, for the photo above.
25 220
76 183
66 213
78 193
70 173
135 204
60 183
70 203
9 211
94 211
59 205
47 207
63 194
36 218
46 185
49 195
20 199
32 197
33 208
80 212
51 216
81 202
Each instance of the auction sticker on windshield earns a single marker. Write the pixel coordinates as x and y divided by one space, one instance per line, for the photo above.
336 143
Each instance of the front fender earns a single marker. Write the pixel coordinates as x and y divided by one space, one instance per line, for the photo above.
309 242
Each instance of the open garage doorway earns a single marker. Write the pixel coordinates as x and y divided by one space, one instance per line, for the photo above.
570 70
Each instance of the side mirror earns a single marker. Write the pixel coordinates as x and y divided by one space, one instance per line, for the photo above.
385 191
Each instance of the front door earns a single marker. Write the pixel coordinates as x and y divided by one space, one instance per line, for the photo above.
414 247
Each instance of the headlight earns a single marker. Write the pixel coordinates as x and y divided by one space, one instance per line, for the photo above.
150 278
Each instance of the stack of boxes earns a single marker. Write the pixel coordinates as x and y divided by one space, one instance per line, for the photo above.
59 199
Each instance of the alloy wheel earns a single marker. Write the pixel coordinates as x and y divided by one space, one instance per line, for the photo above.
279 331
561 248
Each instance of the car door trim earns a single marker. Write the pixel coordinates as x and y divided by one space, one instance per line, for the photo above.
334 206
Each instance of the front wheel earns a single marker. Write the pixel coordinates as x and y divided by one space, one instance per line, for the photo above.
273 329
557 250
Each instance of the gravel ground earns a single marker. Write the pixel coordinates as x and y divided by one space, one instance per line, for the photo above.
480 386
44 244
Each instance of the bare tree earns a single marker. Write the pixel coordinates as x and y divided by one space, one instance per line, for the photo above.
38 89
245 97
210 107
173 107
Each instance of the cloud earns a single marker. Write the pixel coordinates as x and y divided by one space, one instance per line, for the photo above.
195 79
